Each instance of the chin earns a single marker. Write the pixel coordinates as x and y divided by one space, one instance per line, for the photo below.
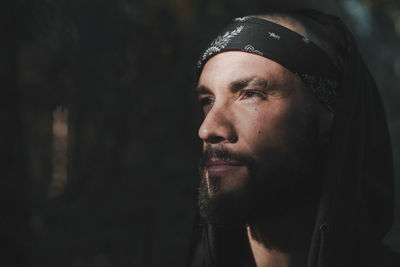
225 200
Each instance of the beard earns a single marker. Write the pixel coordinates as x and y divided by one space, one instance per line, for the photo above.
278 179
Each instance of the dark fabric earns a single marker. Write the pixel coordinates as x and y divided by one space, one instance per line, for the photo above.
356 205
271 40
284 46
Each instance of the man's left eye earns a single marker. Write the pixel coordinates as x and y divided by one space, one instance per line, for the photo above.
252 93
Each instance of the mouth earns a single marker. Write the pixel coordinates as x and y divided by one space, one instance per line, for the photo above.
215 165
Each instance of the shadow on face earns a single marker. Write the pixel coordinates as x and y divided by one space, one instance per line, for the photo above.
260 136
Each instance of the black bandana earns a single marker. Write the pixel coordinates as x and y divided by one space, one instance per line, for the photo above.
284 46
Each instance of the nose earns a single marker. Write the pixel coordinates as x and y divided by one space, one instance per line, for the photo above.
217 127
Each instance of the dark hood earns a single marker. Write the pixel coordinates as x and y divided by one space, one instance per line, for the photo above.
356 205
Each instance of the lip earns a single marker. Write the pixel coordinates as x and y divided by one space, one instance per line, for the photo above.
220 166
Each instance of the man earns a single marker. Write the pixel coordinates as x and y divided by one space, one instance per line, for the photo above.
297 164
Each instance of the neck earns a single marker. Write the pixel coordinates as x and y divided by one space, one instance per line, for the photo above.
283 240
267 257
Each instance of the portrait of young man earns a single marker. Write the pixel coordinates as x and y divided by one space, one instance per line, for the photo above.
297 165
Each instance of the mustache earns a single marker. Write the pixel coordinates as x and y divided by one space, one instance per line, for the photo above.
222 153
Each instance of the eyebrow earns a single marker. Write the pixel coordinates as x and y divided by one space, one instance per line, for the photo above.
237 85
201 89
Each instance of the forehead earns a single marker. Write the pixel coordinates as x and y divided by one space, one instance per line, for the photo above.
226 67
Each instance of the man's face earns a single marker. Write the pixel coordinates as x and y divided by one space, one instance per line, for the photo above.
259 135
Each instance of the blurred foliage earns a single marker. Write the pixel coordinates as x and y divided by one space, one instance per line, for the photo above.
124 71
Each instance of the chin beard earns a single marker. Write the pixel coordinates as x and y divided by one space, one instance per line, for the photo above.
224 208
282 178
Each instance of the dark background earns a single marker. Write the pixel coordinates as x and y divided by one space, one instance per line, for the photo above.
99 122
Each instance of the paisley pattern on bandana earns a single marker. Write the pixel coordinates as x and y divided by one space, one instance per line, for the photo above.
323 89
250 48
219 43
241 19
274 35
306 40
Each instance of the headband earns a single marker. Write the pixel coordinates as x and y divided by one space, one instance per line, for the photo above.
284 46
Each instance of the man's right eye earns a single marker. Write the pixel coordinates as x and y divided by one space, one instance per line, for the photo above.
205 101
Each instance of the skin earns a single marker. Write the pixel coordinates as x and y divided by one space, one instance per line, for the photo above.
249 103
267 257
246 119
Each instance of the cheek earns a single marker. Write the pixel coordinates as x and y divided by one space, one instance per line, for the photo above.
263 127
